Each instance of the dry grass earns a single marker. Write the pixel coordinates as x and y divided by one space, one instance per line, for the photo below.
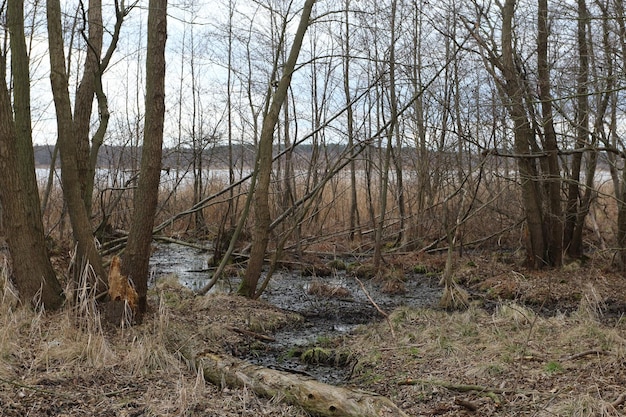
328 291
70 363
528 364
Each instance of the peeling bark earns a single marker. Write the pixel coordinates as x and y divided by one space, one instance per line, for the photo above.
315 397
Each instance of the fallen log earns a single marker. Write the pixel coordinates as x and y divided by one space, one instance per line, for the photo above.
313 396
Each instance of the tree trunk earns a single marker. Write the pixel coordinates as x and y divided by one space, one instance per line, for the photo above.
355 220
620 188
262 218
315 397
84 99
524 136
393 104
33 274
135 264
67 142
553 220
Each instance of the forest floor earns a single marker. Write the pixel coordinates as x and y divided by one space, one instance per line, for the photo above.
548 343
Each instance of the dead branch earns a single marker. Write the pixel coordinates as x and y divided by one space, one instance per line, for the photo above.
36 389
466 404
585 353
456 387
255 335
416 345
619 400
393 333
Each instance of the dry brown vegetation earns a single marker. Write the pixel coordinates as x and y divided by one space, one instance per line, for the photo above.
327 219
498 358
321 289
537 343
51 365
509 362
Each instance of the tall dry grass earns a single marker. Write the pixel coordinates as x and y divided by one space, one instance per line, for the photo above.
491 212
71 362
328 216
75 337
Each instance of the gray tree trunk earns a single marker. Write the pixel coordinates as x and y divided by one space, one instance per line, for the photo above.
135 261
262 217
33 274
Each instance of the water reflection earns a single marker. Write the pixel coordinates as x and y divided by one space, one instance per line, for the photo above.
187 263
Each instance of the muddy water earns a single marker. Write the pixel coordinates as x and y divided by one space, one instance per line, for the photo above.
325 318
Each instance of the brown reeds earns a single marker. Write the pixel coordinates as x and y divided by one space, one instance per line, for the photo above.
327 218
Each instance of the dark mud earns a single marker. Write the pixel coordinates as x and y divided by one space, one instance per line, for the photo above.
326 318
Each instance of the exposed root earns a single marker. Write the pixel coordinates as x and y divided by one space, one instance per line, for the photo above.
454 297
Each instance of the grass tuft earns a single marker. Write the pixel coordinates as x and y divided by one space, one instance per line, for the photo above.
591 305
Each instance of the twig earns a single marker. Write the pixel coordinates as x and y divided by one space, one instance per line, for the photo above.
255 335
393 334
418 345
114 393
466 404
456 387
32 388
585 353
619 400
167 239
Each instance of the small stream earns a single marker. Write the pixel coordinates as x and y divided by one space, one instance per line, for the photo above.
324 317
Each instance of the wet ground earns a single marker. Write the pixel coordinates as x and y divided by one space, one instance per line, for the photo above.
325 317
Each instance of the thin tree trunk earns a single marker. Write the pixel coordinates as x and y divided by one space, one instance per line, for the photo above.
553 221
136 258
67 142
377 258
85 96
620 189
260 233
355 221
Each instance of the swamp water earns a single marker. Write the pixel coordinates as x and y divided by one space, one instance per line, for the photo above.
325 318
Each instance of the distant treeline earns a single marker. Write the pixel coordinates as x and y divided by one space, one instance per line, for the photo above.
214 156
217 156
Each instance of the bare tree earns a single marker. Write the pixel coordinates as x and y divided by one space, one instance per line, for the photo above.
389 135
78 158
553 232
355 218
135 261
262 217
537 163
33 275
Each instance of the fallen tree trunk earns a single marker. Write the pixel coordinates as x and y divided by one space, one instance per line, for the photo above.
313 396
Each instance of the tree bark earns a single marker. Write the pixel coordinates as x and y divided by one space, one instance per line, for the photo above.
553 220
33 274
386 163
524 135
67 142
135 264
84 99
620 189
315 397
355 220
262 217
